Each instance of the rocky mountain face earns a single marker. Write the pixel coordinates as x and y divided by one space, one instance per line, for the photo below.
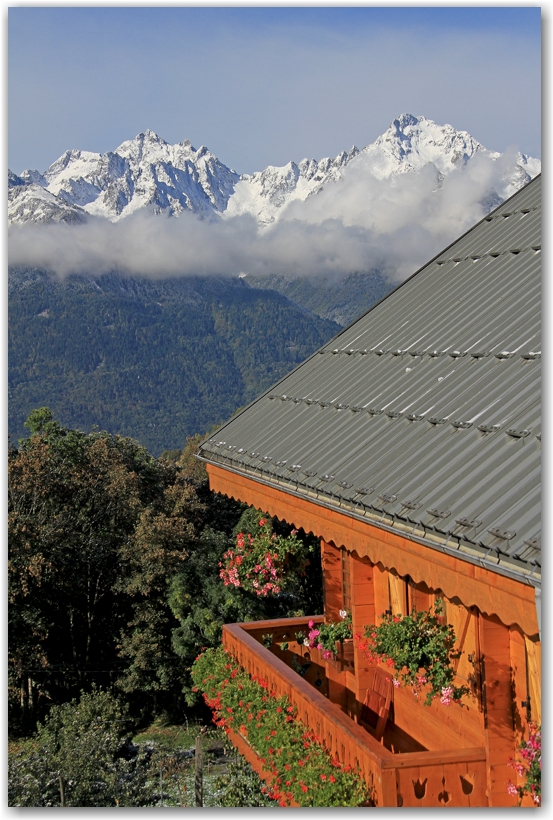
147 173
31 202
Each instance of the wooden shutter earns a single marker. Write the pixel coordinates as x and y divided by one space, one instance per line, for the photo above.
346 581
533 661
398 594
419 596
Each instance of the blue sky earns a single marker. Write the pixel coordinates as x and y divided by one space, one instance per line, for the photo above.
262 86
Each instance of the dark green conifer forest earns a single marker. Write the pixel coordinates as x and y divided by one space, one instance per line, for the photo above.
157 360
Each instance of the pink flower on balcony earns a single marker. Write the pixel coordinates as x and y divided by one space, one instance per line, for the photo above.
396 682
512 789
421 679
447 692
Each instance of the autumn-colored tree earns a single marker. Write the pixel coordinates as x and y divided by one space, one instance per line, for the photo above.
165 533
114 569
96 529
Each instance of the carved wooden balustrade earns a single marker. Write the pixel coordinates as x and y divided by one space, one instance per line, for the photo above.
452 777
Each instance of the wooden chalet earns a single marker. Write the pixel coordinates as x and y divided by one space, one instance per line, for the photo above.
410 444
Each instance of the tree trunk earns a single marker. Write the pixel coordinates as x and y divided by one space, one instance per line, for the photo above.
62 791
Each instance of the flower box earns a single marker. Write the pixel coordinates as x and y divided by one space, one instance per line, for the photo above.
343 658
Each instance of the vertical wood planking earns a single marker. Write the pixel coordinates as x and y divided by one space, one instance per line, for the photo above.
512 601
520 682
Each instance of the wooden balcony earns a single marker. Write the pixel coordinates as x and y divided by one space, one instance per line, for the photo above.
400 770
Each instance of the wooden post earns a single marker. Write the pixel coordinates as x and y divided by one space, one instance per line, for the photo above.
363 614
199 771
498 709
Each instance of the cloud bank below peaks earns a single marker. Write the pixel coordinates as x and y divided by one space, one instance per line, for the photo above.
358 223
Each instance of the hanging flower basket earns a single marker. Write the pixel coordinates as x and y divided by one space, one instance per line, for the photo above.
419 649
264 563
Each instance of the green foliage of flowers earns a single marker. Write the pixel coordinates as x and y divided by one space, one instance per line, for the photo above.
264 562
419 647
303 771
529 767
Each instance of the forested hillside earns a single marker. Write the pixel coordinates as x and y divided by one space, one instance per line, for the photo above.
155 360
342 299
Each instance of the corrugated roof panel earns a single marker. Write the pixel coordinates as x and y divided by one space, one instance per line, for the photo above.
427 408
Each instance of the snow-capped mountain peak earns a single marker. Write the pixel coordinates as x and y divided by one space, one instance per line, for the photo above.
265 194
147 173
412 142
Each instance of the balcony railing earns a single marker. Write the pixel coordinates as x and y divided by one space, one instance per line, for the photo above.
455 777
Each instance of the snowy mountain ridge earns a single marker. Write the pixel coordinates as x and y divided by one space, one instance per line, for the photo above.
147 173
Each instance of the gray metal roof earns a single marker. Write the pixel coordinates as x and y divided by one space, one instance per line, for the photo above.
424 414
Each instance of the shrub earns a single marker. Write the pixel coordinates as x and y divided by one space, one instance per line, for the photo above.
79 758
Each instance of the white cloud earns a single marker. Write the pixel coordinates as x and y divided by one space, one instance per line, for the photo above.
357 224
